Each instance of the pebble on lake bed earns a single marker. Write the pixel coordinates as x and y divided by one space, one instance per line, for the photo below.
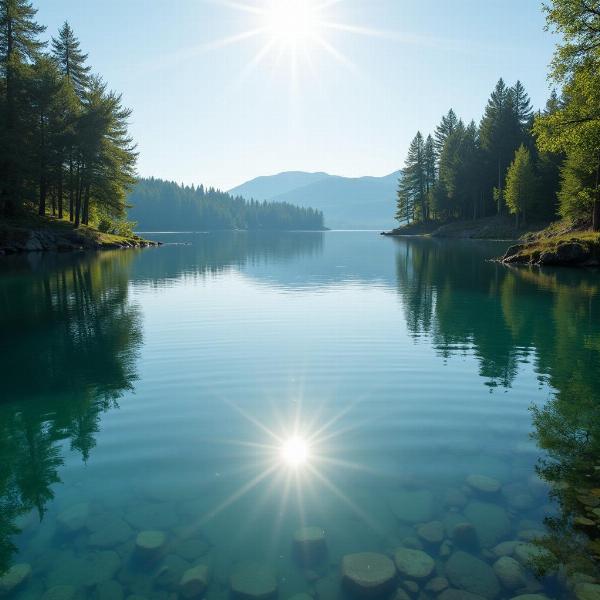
252 581
14 578
469 573
432 532
149 545
368 574
414 564
194 582
74 518
483 484
309 545
510 573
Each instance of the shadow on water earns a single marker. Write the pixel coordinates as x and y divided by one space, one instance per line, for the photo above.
506 316
70 338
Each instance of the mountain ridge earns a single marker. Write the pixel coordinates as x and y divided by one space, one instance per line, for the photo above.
366 202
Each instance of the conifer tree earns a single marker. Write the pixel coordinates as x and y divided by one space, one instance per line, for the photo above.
521 184
19 47
71 60
443 130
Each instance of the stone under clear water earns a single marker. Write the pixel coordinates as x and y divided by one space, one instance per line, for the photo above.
145 397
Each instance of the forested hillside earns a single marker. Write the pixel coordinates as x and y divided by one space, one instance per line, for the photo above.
158 205
515 161
64 145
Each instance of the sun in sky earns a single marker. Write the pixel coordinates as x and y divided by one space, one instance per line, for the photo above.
294 31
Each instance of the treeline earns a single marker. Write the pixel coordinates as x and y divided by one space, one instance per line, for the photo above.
157 205
64 144
514 161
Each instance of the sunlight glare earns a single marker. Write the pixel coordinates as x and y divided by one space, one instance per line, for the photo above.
292 21
295 452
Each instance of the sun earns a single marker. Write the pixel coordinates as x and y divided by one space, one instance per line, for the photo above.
292 21
295 452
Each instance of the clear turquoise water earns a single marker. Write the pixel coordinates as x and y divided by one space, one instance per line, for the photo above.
153 390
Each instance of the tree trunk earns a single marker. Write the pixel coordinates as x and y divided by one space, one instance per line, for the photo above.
596 205
71 186
86 205
43 191
78 197
60 193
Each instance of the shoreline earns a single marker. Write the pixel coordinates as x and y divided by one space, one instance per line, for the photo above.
46 235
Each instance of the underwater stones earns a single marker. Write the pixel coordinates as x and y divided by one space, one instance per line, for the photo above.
152 516
191 549
527 552
437 585
518 496
530 597
471 574
87 570
149 545
452 594
464 536
194 582
505 548
301 596
483 484
110 590
368 574
327 588
490 521
74 518
108 531
60 592
309 545
412 506
587 591
510 573
432 532
14 578
253 581
171 570
414 564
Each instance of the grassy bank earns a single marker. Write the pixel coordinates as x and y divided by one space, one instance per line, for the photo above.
561 244
32 233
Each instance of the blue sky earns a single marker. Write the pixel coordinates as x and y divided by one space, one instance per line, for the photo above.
210 112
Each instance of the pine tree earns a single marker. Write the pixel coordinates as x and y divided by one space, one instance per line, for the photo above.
521 105
521 184
70 59
414 176
19 47
443 130
500 134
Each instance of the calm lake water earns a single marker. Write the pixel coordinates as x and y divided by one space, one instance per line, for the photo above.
419 385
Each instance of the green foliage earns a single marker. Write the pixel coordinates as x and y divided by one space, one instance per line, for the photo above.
572 126
166 206
63 134
521 184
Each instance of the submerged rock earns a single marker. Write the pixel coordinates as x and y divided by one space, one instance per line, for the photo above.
309 545
74 518
530 597
60 592
505 548
191 549
437 585
452 594
414 564
510 573
471 574
490 521
412 506
465 537
432 532
368 574
526 552
194 582
587 591
483 484
108 531
253 581
149 545
14 578
110 590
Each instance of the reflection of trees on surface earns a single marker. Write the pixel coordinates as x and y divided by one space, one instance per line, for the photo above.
70 341
504 315
212 253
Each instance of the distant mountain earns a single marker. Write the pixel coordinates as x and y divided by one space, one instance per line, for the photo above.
346 203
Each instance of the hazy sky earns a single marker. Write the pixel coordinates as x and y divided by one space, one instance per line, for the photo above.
221 113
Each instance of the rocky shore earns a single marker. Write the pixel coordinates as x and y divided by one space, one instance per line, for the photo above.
573 252
16 239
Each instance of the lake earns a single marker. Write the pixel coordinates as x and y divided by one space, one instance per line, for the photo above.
264 405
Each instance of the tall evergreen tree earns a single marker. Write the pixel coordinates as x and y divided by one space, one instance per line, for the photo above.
19 47
443 130
521 184
70 59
